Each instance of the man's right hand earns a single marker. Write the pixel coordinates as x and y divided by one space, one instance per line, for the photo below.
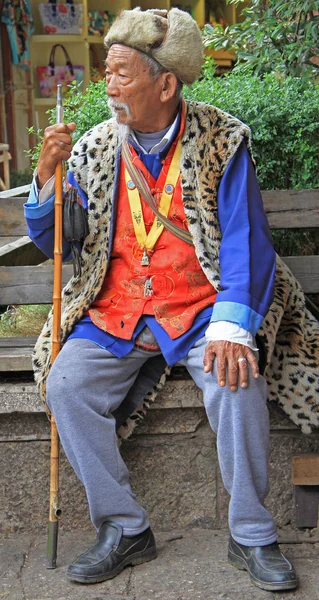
57 145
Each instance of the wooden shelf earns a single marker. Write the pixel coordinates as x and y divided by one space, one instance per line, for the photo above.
95 39
56 39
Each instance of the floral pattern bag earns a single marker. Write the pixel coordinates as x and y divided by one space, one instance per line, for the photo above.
50 75
62 18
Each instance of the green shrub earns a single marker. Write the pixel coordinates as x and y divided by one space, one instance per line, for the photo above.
18 178
86 110
275 35
283 114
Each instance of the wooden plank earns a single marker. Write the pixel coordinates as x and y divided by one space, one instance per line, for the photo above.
12 221
285 209
21 252
18 342
305 469
8 240
33 285
306 502
22 189
16 359
15 353
306 270
290 209
29 285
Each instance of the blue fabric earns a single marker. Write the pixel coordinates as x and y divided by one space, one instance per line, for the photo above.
34 210
153 162
247 259
40 222
234 312
172 350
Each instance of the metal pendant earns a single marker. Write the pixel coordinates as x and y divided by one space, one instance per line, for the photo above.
148 290
145 261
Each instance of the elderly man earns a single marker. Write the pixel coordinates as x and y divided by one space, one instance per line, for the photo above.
170 271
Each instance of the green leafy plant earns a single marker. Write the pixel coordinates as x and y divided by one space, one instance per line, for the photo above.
18 178
86 110
27 319
283 114
33 153
275 35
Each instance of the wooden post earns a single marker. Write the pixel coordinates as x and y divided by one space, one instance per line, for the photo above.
305 477
9 93
4 159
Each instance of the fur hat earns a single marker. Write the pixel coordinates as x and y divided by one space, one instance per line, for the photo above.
172 38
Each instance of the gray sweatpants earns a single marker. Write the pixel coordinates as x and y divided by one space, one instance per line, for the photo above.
87 383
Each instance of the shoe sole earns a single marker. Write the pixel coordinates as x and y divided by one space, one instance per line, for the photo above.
240 563
133 560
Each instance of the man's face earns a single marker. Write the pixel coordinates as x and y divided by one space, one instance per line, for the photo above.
134 97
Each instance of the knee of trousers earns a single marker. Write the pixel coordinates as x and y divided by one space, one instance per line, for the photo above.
244 404
69 389
59 389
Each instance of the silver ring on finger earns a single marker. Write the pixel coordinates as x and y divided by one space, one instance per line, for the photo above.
242 359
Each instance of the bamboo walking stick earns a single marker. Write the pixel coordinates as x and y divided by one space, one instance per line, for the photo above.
55 512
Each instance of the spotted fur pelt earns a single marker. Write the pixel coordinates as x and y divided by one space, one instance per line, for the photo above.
209 142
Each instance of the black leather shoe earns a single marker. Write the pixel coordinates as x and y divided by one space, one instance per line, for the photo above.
111 553
268 568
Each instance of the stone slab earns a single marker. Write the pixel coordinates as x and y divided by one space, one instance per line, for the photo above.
191 565
52 584
172 475
181 393
13 555
19 397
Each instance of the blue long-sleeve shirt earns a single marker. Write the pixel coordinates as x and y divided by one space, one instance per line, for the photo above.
247 259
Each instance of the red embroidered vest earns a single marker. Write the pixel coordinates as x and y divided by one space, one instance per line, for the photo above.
180 289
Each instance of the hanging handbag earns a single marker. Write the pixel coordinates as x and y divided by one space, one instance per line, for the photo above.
97 71
75 225
52 74
62 18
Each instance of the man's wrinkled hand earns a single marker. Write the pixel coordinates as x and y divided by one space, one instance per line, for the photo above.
229 360
57 145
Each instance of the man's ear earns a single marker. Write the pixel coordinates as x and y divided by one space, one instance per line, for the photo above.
169 86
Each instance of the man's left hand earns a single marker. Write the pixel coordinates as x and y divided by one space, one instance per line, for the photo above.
233 358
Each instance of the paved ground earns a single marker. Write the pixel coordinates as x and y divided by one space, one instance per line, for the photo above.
191 565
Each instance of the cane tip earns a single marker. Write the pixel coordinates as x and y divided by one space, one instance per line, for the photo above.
51 563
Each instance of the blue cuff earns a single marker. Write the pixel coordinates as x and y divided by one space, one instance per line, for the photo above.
34 210
235 296
241 314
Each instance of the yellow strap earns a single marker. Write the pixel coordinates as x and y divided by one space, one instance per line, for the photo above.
148 241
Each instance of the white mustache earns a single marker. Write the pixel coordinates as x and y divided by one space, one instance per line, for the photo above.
113 106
